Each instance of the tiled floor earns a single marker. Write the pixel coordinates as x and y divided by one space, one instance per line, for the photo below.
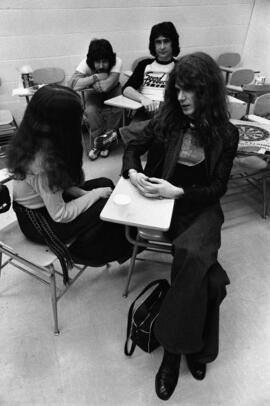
86 365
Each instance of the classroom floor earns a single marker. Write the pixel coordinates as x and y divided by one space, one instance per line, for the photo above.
85 365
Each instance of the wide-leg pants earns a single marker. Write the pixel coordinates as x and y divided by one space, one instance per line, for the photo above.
96 241
188 322
101 118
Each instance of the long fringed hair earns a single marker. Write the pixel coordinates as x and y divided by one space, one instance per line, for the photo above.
100 49
168 30
199 73
51 128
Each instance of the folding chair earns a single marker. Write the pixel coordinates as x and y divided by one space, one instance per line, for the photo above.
259 179
47 76
228 60
151 240
239 77
8 128
261 111
36 260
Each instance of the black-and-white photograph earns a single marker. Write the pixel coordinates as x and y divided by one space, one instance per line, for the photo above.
134 202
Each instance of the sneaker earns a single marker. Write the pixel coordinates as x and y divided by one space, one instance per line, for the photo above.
104 153
93 153
106 139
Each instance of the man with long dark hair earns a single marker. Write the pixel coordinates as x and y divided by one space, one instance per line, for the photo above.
148 81
191 147
99 72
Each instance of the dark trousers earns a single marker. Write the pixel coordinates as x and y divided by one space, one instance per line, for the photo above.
96 241
188 322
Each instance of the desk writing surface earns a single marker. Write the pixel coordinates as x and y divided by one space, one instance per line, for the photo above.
123 102
257 89
232 100
260 144
141 212
25 91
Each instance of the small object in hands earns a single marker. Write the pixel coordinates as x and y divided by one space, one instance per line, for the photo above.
121 200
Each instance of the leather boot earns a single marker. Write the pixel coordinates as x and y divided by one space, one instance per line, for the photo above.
167 376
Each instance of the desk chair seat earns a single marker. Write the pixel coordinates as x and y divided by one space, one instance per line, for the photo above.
151 240
36 260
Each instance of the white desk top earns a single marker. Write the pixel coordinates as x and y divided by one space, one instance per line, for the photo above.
232 69
123 102
141 212
25 91
261 145
232 100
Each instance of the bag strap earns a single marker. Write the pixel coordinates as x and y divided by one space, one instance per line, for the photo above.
130 312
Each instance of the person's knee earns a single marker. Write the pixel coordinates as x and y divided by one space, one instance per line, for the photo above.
91 109
217 281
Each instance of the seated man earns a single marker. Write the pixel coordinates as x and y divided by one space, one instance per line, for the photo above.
148 81
99 73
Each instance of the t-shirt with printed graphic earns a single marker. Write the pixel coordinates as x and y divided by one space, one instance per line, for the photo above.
150 78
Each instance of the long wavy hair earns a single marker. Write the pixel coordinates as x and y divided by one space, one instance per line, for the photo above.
199 73
51 127
168 30
100 49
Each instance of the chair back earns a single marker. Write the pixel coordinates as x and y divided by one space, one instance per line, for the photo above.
229 59
262 105
137 60
46 76
241 76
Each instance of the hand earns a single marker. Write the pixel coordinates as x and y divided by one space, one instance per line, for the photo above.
136 178
149 104
159 188
104 192
101 76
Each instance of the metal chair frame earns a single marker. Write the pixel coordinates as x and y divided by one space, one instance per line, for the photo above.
151 240
8 128
260 181
20 252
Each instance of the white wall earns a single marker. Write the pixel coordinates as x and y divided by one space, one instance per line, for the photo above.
256 53
57 32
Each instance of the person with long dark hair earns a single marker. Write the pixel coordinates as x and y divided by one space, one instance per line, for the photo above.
52 201
99 73
148 81
191 147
